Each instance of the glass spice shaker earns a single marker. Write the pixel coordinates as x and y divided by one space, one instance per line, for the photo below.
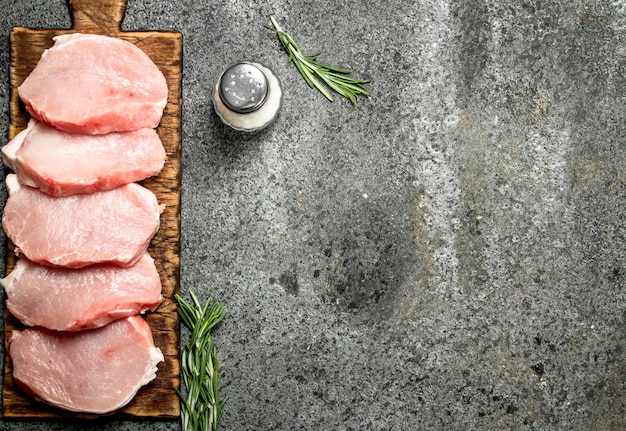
247 96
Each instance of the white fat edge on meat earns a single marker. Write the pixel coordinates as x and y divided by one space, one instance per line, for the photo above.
13 185
9 151
156 356
8 282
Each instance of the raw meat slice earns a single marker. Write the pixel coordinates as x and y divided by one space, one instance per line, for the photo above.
113 226
62 164
94 84
67 299
94 371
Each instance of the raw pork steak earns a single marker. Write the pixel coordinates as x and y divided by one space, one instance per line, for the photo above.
94 371
93 84
113 226
67 299
63 164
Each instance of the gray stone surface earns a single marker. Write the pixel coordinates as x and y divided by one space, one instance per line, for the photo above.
448 254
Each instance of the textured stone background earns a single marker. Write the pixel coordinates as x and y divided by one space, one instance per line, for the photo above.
448 254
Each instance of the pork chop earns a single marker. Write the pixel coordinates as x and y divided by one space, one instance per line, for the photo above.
113 226
94 84
67 299
93 371
62 164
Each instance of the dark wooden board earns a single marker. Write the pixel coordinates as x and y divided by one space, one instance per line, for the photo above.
157 400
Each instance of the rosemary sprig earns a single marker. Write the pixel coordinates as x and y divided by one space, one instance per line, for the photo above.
201 408
315 73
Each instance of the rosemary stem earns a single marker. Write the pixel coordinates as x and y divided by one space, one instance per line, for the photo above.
201 406
317 75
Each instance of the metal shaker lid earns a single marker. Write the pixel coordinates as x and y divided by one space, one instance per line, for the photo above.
243 88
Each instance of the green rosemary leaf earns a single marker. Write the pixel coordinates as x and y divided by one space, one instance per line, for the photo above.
201 406
318 75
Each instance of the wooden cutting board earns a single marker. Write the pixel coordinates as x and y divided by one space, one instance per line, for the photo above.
158 399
